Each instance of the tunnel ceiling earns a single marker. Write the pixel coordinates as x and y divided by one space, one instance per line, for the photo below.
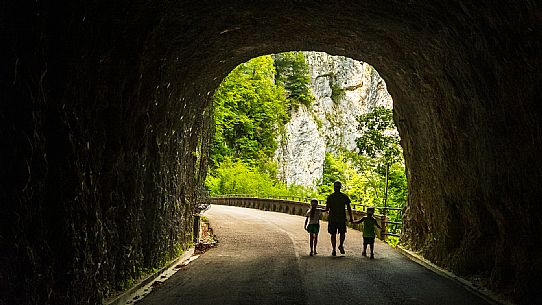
128 85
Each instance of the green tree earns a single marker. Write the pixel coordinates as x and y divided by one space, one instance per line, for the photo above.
293 74
379 137
249 110
382 160
361 182
379 145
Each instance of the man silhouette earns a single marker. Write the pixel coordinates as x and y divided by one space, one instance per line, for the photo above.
335 206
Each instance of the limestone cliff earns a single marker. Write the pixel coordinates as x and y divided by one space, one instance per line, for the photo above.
343 89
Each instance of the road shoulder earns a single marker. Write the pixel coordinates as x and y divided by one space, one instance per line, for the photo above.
484 293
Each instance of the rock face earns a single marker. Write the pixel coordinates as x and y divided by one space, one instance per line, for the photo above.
104 128
343 89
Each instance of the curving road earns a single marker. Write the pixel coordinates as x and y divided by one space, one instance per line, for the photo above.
262 258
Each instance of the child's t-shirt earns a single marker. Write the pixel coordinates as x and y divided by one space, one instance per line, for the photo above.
315 219
369 227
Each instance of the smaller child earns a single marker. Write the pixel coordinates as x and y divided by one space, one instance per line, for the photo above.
312 224
369 231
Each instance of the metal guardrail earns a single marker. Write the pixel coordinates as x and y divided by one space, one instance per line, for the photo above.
383 215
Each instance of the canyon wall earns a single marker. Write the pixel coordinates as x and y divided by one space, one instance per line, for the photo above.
343 89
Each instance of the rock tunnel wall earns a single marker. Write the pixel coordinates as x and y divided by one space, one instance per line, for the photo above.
101 154
105 124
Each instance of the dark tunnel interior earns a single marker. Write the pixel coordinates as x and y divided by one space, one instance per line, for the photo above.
105 125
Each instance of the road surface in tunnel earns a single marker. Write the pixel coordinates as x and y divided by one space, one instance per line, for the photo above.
263 258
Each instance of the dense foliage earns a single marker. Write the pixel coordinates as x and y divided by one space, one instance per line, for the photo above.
379 139
363 180
379 148
379 143
236 177
293 75
249 109
252 105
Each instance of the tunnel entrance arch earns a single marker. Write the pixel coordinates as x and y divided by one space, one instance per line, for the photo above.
290 124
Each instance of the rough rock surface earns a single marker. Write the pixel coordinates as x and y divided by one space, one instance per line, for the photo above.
103 108
343 89
300 155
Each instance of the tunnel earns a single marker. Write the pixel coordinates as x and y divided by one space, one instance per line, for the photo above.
106 120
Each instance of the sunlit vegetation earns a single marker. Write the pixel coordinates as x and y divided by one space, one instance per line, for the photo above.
249 110
237 177
253 104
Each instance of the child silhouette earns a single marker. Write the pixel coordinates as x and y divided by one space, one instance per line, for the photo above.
312 224
369 223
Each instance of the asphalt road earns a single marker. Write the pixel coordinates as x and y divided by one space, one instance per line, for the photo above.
263 258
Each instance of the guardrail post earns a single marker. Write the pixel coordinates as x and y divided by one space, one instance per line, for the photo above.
384 225
196 227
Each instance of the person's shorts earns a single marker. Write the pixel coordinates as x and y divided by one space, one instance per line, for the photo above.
333 227
368 240
313 228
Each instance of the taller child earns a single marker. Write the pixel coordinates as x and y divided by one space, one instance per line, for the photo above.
335 206
312 224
